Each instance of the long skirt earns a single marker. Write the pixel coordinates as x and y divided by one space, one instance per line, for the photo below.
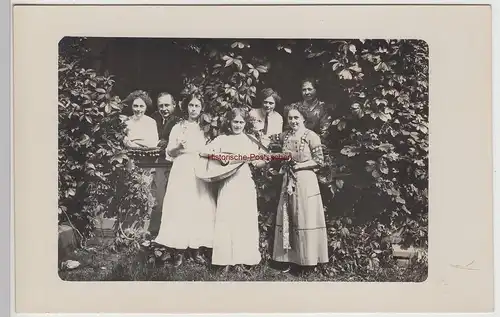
188 212
236 236
307 227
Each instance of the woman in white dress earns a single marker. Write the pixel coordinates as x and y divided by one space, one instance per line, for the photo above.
141 129
188 212
236 236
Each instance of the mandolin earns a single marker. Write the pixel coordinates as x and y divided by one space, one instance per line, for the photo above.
210 168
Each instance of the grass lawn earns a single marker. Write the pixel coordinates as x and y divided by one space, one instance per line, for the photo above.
102 264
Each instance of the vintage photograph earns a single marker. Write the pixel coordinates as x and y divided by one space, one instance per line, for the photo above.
226 159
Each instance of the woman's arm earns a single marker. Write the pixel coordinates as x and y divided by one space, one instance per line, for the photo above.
259 154
173 146
317 158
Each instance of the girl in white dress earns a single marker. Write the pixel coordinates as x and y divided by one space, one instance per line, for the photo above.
236 236
188 212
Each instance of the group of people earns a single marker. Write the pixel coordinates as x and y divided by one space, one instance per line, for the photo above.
224 218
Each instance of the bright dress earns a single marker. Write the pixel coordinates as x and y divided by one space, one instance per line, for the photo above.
236 236
300 232
188 212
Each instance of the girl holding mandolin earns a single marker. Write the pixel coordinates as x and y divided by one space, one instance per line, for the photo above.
236 234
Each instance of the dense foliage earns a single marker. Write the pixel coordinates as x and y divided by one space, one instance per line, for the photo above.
95 177
376 176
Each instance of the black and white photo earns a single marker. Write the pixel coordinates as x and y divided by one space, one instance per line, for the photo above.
243 159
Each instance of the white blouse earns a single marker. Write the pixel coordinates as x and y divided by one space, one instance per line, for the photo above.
142 129
191 133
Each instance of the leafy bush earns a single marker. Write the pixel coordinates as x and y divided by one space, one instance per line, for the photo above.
95 177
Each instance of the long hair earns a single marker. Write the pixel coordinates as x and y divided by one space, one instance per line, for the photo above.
233 113
183 106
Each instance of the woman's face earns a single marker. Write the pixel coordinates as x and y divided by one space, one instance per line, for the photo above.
138 107
295 120
308 91
237 124
268 104
194 108
166 105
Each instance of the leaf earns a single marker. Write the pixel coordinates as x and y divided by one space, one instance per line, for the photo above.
85 139
225 57
384 169
288 50
348 151
118 157
385 147
255 73
345 74
70 264
207 117
335 66
102 91
352 48
344 232
356 68
229 62
357 110
341 126
262 69
382 67
381 101
339 183
332 190
400 200
107 108
70 192
405 209
384 117
239 64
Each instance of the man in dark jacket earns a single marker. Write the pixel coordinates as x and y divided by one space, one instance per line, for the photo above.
165 120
